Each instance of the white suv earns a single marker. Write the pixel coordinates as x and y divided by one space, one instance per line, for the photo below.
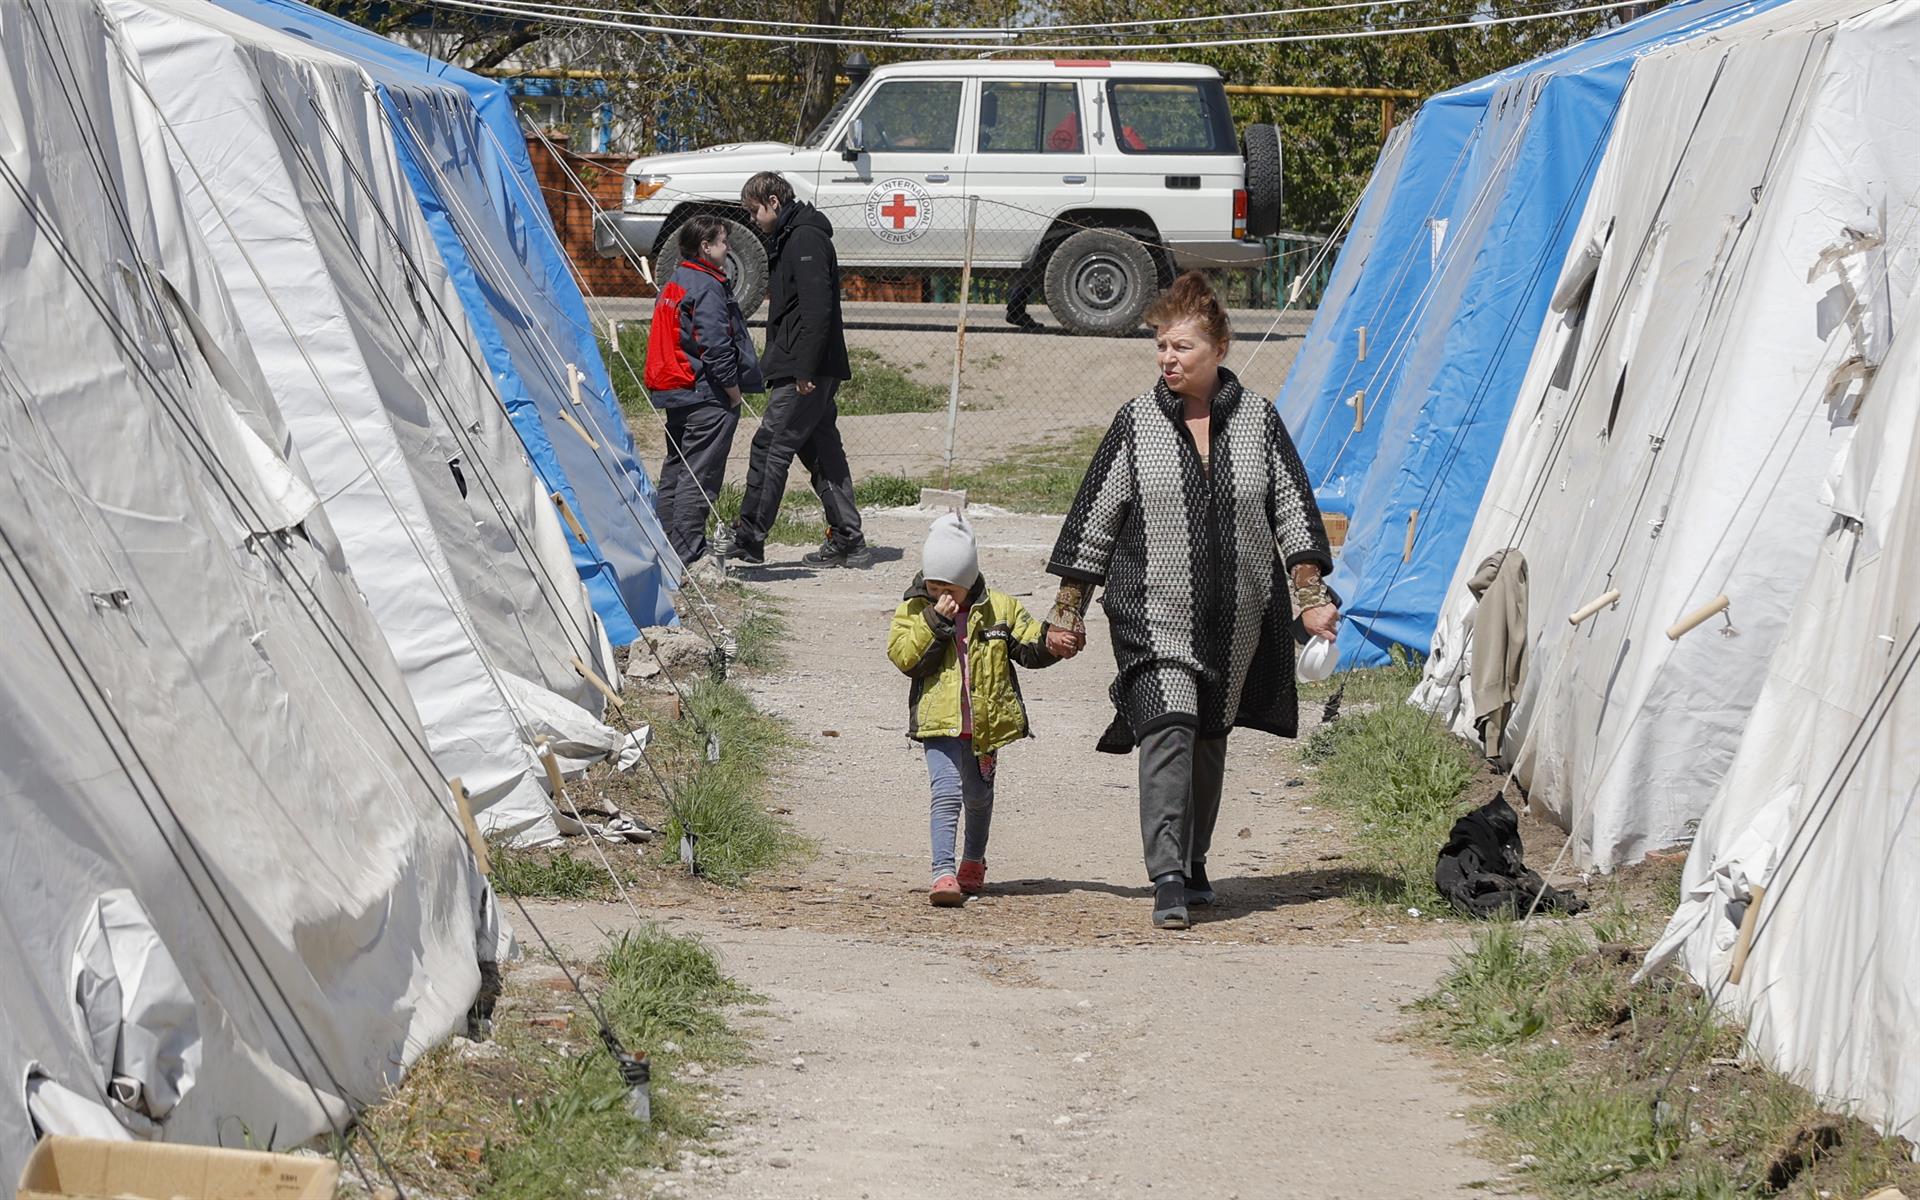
1098 179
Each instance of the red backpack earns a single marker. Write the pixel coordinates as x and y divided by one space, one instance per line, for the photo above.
668 368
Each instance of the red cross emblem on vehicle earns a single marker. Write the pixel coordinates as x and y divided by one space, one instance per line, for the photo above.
898 210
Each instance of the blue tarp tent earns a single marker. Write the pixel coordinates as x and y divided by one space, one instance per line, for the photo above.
1461 237
466 159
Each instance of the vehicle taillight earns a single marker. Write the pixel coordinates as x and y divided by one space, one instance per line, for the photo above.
1239 212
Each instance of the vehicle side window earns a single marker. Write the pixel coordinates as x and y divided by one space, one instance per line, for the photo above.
913 114
1172 117
1029 118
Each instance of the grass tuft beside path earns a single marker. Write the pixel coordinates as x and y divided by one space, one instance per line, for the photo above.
723 804
1599 1089
539 1112
1398 775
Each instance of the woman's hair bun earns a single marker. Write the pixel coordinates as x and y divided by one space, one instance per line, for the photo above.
1191 298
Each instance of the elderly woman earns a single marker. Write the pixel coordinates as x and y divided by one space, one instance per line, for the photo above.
1194 512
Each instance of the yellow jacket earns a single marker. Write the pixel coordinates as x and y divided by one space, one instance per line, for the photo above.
1000 635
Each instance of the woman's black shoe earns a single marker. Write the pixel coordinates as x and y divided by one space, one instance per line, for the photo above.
1199 891
1170 901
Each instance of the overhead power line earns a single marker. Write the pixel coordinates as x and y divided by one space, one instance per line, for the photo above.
898 30
570 16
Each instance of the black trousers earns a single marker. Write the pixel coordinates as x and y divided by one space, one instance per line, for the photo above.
807 428
699 438
1181 775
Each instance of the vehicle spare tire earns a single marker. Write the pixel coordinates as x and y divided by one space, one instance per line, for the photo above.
1260 145
1099 281
746 263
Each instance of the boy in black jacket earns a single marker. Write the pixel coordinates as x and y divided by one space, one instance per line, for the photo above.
805 361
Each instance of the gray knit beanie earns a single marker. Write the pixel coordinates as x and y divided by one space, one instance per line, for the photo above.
950 555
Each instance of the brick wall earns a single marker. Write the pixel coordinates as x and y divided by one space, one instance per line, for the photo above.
573 214
602 173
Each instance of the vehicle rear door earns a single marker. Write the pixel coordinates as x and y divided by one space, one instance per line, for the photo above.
1030 162
1173 154
898 199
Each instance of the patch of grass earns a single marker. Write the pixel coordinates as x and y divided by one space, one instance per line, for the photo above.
540 1114
800 522
1398 775
723 803
1036 479
877 386
662 988
886 491
1368 686
550 874
759 631
627 367
1603 1090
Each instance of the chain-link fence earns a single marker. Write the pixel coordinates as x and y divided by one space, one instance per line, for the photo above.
1006 393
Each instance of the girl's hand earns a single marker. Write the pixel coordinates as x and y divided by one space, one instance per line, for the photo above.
1322 620
947 606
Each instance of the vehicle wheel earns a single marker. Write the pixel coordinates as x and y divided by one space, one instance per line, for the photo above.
746 263
1260 144
1099 281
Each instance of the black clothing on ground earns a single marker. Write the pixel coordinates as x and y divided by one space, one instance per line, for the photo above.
1482 873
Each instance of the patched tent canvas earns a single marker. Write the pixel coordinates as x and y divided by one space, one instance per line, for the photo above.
288 166
236 902
466 159
1737 266
1455 288
1818 806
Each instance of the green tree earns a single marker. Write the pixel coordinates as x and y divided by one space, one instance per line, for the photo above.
1329 146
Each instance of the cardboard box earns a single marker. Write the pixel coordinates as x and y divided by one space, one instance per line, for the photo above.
64 1168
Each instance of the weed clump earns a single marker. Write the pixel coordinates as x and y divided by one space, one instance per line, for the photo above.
1601 1089
1399 775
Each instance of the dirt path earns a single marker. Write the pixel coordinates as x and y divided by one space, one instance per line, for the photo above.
1044 1040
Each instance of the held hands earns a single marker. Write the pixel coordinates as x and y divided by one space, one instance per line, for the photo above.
1065 643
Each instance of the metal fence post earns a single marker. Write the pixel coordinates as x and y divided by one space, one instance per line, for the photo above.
960 339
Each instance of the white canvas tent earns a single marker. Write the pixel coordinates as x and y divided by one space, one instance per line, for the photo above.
235 903
1819 807
1737 263
287 164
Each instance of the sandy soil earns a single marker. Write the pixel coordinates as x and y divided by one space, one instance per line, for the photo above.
1044 1040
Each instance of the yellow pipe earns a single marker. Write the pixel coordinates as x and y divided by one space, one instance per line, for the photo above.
1324 93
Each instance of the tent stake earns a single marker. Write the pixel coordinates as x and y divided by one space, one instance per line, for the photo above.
578 428
1593 606
573 523
600 684
1694 619
1748 923
475 842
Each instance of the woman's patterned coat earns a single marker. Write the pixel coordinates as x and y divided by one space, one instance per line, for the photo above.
1195 564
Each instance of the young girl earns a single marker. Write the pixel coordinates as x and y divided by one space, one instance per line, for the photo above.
959 641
